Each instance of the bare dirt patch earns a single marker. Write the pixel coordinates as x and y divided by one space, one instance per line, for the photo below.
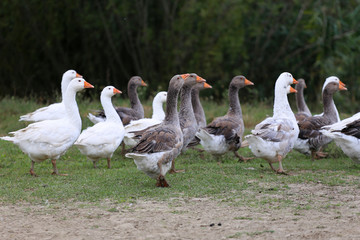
317 212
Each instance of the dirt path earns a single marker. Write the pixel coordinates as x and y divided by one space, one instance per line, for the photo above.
335 214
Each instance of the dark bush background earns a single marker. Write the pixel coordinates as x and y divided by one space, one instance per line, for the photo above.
109 41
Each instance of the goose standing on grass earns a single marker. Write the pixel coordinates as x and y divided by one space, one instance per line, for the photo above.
225 133
311 140
273 138
135 112
346 135
102 139
137 125
303 110
198 111
49 139
55 110
187 118
160 145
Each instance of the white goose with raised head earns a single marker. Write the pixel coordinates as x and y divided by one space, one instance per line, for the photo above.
55 110
273 138
102 139
49 139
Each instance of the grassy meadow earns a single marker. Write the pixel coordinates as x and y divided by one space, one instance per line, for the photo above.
252 183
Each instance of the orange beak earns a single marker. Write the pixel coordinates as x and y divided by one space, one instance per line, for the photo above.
207 85
342 87
143 83
295 82
185 76
78 75
200 79
116 91
87 85
248 82
293 90
341 83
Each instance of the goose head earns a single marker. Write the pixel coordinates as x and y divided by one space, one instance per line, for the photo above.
177 81
201 86
78 84
110 91
284 80
160 97
333 86
332 79
71 74
240 82
137 81
192 79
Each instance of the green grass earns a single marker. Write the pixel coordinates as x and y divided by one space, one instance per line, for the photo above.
252 184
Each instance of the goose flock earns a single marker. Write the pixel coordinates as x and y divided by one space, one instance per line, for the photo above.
156 142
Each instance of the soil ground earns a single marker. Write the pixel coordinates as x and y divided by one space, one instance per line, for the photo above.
320 212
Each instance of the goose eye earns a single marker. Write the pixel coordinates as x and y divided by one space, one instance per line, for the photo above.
79 80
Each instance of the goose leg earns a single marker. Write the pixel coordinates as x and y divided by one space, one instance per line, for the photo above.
172 170
32 173
108 162
161 182
55 171
280 170
241 158
123 148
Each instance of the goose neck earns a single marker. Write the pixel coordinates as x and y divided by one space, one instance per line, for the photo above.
158 111
109 110
186 109
329 105
282 107
300 101
134 99
172 116
72 110
234 102
64 85
198 109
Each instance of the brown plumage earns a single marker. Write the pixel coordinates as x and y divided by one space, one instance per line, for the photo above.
310 126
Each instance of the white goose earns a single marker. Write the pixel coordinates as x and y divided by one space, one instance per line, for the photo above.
273 138
102 139
346 135
55 110
137 125
49 139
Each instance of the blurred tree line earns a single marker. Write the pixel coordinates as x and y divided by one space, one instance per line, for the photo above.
108 41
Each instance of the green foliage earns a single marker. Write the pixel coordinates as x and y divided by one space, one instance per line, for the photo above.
109 41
